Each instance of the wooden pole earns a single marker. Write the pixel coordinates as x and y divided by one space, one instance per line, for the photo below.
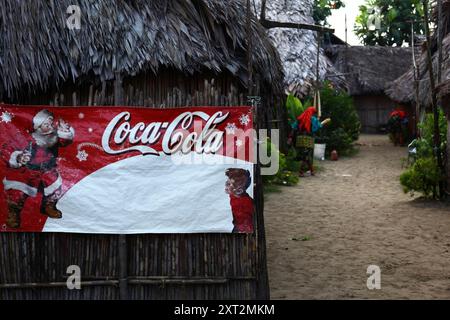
416 82
437 135
346 30
123 254
317 103
249 50
440 39
440 63
262 282
294 25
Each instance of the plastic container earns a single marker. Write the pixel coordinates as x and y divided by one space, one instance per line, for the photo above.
319 151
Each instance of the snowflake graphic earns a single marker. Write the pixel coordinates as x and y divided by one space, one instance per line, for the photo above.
244 119
239 143
6 117
230 128
82 155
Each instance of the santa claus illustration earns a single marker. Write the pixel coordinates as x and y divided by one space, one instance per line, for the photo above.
32 168
238 182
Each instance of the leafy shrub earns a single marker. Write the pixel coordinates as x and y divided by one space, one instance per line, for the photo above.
424 175
295 108
426 142
345 125
287 172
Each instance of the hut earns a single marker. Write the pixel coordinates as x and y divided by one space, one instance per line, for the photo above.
298 48
402 90
161 54
368 70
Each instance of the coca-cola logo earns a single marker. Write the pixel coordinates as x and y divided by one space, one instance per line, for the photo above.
190 131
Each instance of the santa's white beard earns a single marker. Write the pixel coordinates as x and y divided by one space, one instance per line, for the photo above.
46 141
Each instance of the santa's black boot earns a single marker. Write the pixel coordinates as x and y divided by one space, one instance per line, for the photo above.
14 210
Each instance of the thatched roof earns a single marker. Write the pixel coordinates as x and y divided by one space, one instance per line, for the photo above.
297 48
444 88
368 69
37 50
402 90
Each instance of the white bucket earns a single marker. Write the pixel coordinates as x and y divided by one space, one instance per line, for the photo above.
319 151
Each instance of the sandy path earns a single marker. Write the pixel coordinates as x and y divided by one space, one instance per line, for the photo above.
356 214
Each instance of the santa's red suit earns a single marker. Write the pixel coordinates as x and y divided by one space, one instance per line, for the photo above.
242 208
39 174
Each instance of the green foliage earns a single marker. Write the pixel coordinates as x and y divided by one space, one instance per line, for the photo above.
322 9
424 175
288 167
292 164
285 178
345 125
426 143
295 108
387 22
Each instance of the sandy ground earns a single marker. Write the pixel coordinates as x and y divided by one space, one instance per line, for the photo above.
351 215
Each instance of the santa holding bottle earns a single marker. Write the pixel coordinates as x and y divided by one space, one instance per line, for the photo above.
32 167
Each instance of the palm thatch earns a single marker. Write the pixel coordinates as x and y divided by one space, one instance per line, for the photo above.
444 88
37 50
369 69
297 48
402 90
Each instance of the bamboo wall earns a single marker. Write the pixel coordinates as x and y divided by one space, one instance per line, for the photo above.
374 111
198 266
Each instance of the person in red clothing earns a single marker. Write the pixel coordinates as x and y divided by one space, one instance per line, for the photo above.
238 182
31 167
308 125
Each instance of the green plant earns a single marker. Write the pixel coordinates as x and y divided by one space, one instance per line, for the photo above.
285 178
322 9
424 175
291 161
426 143
345 125
287 172
295 108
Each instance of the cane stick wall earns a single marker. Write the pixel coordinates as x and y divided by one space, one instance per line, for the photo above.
197 266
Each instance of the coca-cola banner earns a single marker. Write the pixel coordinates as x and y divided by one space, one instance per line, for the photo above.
126 170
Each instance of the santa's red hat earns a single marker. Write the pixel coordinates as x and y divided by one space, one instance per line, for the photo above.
40 117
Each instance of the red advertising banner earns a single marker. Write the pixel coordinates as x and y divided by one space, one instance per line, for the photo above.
126 170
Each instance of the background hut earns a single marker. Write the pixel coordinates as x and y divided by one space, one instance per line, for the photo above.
146 53
367 70
402 89
298 48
